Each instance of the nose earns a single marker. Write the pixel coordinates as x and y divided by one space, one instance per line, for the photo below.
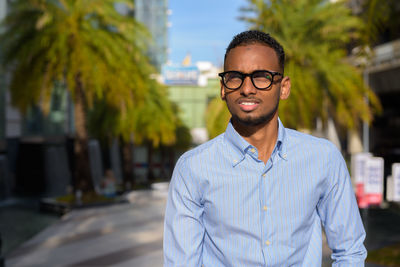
247 87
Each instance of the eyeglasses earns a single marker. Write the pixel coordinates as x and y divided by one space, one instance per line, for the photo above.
261 79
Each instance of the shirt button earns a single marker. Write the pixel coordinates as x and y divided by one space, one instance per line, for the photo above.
267 243
264 175
252 150
234 161
265 208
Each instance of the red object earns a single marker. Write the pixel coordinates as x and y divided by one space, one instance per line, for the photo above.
364 200
361 197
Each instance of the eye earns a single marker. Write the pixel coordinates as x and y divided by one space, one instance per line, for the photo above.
233 76
262 76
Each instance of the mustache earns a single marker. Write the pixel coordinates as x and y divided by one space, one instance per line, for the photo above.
248 99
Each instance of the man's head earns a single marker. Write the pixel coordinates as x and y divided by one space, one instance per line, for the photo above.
257 37
252 82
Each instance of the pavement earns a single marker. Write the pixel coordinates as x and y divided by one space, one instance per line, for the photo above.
127 234
130 234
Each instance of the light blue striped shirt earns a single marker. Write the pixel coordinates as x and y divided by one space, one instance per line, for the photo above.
228 208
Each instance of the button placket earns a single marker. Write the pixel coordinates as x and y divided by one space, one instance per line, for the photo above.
265 204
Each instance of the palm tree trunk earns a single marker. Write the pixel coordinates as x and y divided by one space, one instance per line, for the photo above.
82 173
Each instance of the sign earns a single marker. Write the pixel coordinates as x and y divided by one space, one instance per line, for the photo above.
180 75
358 171
396 181
373 183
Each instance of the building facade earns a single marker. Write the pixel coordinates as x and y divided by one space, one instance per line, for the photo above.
154 15
382 72
191 88
383 76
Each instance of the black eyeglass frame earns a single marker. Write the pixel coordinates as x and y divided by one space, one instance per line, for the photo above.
244 75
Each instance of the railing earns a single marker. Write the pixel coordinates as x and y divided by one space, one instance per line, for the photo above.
386 56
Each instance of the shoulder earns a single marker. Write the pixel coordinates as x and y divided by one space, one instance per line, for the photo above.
191 166
203 152
318 154
306 142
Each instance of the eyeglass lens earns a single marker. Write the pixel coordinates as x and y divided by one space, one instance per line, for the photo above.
260 79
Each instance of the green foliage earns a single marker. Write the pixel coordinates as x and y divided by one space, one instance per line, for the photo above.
183 136
217 117
87 199
155 119
387 256
152 120
315 35
379 16
87 44
182 132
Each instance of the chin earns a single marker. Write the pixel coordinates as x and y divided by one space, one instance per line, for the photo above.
250 121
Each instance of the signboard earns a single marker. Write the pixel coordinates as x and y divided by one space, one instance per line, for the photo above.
389 188
396 181
358 171
373 183
180 75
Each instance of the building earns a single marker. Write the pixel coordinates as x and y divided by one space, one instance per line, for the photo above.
192 87
154 14
382 72
383 76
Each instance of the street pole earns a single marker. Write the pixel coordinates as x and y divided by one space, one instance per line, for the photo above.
364 212
365 123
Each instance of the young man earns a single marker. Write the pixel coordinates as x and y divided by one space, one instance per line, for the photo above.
257 194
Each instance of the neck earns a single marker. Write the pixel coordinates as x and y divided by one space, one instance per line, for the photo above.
262 136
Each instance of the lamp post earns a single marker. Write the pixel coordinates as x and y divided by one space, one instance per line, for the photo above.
365 123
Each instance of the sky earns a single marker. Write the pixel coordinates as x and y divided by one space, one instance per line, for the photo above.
203 28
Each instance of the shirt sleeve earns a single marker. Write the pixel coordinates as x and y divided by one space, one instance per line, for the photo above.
183 227
340 215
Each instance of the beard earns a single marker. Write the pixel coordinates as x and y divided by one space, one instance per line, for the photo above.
249 121
255 121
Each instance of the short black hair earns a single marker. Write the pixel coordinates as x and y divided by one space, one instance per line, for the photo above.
257 37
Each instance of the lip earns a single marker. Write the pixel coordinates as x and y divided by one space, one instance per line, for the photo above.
248 104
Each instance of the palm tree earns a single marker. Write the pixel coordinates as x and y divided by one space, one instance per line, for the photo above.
315 35
217 117
96 51
379 17
153 122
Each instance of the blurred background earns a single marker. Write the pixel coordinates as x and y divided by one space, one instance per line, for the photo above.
98 99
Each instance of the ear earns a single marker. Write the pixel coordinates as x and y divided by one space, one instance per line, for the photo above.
223 97
285 88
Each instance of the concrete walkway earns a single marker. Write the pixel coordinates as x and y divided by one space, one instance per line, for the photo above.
120 235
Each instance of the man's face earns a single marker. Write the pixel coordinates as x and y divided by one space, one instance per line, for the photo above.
248 105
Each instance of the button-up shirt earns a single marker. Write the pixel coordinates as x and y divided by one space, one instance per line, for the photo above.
228 208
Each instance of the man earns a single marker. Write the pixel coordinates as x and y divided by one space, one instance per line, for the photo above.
257 194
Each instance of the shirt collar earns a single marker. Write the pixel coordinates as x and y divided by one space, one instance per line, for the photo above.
240 145
281 143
